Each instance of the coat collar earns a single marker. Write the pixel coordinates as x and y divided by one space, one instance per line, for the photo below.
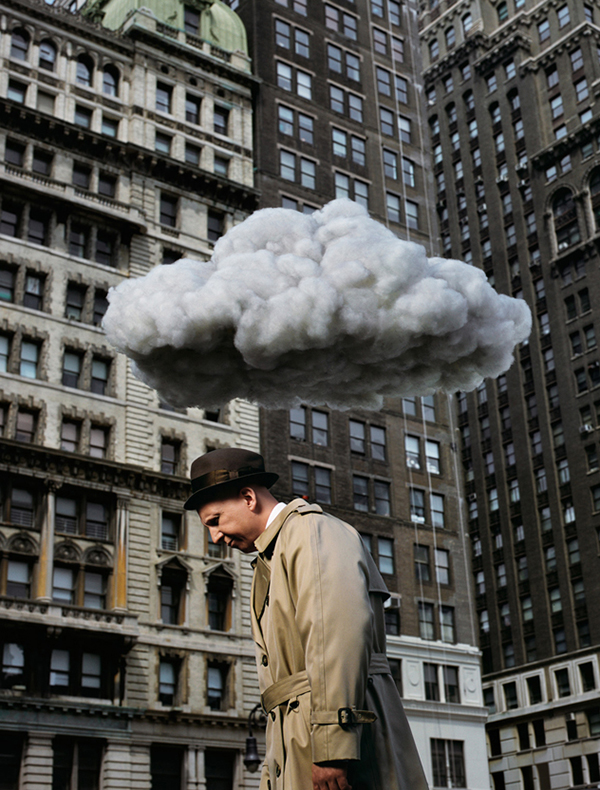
266 538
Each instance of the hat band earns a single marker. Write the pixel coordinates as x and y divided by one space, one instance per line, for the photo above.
217 476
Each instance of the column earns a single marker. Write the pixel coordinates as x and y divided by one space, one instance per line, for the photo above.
116 770
43 591
119 602
36 772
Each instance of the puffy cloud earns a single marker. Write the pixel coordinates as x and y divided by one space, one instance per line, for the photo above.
327 309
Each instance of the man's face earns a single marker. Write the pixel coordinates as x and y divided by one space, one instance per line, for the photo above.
231 521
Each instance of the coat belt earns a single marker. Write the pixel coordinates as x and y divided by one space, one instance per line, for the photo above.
297 684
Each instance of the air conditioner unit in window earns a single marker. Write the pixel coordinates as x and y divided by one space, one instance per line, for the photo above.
482 208
587 428
523 183
393 602
472 497
502 179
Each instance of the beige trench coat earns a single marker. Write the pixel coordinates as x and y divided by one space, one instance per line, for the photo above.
317 606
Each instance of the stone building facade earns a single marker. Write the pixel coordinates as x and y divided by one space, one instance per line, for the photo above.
511 89
127 660
340 114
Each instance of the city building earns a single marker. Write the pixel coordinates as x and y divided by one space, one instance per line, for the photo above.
340 114
125 143
514 125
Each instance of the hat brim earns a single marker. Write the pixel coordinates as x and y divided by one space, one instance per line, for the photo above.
200 497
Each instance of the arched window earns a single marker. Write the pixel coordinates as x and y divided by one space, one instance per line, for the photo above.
110 81
434 126
514 99
85 69
467 23
469 100
495 112
595 194
566 226
451 112
47 56
450 35
502 12
19 44
434 49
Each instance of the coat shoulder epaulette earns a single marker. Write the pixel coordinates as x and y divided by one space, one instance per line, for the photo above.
307 507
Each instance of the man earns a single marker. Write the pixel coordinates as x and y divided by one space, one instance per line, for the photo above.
335 720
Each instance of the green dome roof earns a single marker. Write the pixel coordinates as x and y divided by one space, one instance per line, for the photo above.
223 27
218 24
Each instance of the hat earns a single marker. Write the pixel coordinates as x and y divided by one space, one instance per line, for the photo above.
213 470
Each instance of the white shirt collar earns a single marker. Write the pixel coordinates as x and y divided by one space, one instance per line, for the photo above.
274 513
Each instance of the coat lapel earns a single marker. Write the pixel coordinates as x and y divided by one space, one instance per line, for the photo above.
262 572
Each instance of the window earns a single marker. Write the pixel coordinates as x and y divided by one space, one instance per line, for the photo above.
378 443
386 118
390 164
221 165
442 566
221 119
448 763
322 484
360 486
168 210
380 41
162 143
386 555
298 423
163 97
437 510
192 157
110 81
18 576
382 498
422 572
300 479
170 455
417 505
450 36
408 172
19 44
434 49
412 214
432 688
167 681
170 531
563 16
447 624
219 601
432 456
30 353
393 207
216 684
426 622
166 762
544 30
16 92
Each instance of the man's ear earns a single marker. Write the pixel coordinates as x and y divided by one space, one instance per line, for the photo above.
248 494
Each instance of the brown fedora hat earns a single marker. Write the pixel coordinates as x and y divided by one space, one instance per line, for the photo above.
213 470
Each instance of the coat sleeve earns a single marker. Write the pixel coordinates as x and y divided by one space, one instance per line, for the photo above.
328 576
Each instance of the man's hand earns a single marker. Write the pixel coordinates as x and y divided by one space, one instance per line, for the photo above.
330 776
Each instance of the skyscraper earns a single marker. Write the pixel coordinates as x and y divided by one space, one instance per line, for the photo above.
340 114
514 131
125 644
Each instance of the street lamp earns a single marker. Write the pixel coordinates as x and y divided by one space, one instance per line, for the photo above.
252 758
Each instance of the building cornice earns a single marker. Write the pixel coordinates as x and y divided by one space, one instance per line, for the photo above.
128 156
46 463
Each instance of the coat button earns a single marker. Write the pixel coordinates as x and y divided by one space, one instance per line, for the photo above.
294 704
265 661
277 770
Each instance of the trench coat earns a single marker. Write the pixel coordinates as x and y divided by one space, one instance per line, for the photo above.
319 627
